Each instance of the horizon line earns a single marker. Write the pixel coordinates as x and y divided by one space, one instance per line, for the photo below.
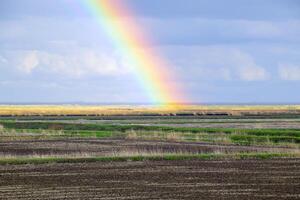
146 103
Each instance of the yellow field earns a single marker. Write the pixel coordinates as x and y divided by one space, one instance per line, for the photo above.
140 110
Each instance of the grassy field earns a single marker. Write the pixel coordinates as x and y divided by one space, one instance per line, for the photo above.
225 135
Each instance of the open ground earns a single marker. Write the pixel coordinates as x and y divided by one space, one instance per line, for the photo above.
153 154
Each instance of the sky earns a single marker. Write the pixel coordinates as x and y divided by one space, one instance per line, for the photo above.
233 51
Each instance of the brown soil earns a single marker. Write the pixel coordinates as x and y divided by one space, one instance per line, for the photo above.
229 179
102 147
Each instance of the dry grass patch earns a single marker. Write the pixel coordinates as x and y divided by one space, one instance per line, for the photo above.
61 110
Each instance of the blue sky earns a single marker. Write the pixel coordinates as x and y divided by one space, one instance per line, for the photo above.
233 51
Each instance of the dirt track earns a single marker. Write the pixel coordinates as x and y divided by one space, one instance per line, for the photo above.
231 179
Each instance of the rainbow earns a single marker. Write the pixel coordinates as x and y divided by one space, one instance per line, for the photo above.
151 69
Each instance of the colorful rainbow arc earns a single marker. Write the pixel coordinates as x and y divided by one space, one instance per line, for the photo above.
152 71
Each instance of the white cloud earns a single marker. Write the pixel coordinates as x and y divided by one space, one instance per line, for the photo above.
218 63
245 67
194 62
29 61
289 72
85 62
252 73
75 63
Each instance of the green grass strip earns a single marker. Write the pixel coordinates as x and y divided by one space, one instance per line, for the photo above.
170 157
123 128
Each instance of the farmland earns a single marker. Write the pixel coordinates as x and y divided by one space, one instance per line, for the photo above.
125 110
187 152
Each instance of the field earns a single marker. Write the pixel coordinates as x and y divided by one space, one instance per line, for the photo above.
127 152
79 110
218 179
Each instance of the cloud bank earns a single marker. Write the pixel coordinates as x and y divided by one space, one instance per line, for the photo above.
82 62
289 72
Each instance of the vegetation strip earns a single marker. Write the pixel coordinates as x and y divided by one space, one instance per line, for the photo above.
237 136
108 127
123 128
167 157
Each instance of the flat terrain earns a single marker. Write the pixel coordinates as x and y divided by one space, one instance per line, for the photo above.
218 179
252 123
110 152
129 110
241 125
109 147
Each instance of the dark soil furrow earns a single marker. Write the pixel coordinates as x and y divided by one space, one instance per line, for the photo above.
229 179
